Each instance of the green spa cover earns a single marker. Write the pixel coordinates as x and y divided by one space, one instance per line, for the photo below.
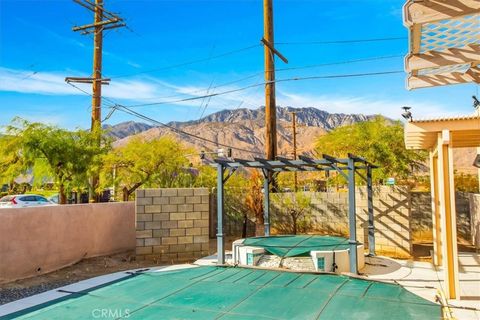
292 246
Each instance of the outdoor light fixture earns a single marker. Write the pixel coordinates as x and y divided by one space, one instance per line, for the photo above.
476 102
476 162
407 114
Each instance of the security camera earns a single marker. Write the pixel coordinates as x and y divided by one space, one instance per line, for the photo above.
407 114
476 103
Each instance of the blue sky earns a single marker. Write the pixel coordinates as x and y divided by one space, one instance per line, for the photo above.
38 50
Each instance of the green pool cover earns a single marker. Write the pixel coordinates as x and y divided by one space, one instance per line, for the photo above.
292 246
238 293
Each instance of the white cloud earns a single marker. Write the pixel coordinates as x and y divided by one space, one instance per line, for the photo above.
29 82
365 105
151 90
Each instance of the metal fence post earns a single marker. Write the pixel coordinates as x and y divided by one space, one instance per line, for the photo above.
266 204
371 226
220 235
352 217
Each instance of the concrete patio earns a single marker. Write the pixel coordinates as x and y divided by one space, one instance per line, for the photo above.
424 279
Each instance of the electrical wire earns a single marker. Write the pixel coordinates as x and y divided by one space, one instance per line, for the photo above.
127 109
181 132
221 55
182 64
115 106
378 58
353 75
342 41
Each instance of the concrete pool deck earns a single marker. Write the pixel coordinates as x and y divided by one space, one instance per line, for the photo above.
424 279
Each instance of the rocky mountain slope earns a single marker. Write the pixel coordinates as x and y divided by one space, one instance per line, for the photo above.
125 129
244 129
311 117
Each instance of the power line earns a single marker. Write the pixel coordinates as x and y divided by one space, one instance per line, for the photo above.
221 55
342 41
353 75
182 64
127 110
115 106
342 62
280 70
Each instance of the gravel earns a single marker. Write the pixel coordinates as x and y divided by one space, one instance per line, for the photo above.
11 294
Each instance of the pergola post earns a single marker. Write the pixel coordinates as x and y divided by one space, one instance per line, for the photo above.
266 203
371 226
352 217
220 235
448 214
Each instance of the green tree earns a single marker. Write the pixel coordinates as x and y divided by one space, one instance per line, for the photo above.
150 163
69 157
380 141
12 163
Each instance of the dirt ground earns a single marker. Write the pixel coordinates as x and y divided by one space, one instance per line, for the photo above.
82 270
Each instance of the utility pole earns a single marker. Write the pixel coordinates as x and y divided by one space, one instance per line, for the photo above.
103 20
270 101
294 135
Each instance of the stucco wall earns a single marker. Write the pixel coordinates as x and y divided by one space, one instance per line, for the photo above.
43 239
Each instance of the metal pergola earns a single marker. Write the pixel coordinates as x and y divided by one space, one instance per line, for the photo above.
347 167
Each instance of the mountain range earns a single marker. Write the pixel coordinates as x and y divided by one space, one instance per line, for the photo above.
245 129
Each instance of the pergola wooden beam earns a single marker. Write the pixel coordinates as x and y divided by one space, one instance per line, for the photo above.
435 80
419 12
444 45
434 59
423 134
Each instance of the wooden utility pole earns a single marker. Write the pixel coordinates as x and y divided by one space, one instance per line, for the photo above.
103 20
294 153
270 102
97 67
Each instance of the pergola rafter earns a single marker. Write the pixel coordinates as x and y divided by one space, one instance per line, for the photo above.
444 42
347 167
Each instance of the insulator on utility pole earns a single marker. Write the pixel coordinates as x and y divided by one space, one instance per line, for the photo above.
103 20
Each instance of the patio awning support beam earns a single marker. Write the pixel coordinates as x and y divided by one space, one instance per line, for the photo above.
220 235
352 218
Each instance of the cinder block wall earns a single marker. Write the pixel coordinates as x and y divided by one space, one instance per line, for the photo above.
392 205
172 224
422 215
475 218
